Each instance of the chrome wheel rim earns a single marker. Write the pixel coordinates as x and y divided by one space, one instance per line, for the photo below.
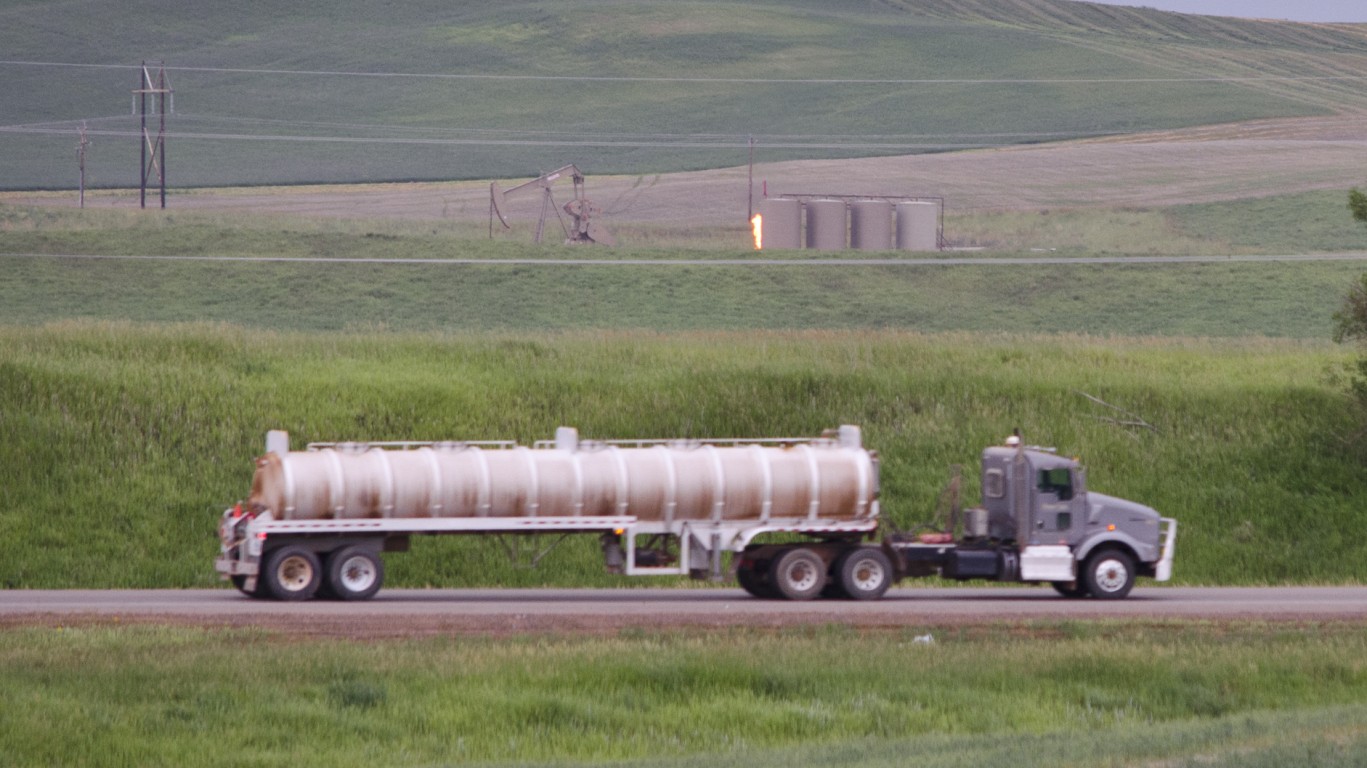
1111 575
868 575
357 573
802 575
294 573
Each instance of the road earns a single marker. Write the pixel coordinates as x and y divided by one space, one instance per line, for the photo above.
504 611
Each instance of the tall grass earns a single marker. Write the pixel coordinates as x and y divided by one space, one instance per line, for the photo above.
1033 695
124 442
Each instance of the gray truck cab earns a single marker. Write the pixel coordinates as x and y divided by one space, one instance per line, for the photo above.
1082 542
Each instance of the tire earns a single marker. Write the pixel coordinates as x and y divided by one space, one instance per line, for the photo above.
798 574
291 573
753 582
864 573
1109 574
833 590
240 582
354 573
1070 589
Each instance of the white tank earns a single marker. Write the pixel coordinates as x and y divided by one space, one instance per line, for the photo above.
918 226
831 478
871 225
826 225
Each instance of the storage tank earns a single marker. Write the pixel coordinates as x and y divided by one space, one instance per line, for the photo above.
781 223
826 225
824 479
871 225
918 226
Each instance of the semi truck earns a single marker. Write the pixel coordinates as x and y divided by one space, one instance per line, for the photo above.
788 518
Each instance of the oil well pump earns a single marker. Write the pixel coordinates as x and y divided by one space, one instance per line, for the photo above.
583 228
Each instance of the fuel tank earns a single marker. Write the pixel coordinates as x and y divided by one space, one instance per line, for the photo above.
832 477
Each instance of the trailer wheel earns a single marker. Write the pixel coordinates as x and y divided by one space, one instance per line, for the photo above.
354 573
864 573
798 574
753 576
1109 574
291 573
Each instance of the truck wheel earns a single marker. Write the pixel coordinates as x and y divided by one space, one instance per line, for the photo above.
354 573
1069 589
864 573
753 576
798 574
1109 574
291 573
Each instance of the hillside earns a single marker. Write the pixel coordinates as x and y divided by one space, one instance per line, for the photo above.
345 91
124 443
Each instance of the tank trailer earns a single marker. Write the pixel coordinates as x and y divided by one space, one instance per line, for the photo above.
789 518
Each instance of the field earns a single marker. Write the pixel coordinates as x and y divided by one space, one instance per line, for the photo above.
1273 187
136 383
336 91
1045 694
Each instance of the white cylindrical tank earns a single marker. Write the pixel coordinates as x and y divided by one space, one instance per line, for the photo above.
918 226
821 479
871 225
826 225
781 223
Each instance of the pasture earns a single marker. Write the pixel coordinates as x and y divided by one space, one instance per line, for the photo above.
1037 694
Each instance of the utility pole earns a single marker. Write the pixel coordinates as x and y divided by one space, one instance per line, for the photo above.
153 152
80 159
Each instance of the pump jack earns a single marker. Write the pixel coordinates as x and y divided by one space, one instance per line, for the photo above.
580 209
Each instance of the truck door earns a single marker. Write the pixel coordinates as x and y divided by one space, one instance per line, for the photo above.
1057 503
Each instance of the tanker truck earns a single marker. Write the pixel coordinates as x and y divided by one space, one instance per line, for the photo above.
788 518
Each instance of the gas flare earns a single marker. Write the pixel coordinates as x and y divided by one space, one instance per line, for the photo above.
757 224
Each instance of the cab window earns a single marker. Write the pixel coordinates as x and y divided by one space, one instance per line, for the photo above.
993 487
1058 481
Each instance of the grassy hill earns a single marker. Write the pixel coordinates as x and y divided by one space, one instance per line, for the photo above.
124 442
345 91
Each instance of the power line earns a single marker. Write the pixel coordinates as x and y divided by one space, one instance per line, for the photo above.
737 141
727 80
617 134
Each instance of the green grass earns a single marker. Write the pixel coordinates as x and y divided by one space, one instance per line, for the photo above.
388 128
125 442
1029 695
1283 224
1302 223
1309 222
1221 299
1215 299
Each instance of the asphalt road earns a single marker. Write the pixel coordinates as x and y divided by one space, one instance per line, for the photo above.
399 611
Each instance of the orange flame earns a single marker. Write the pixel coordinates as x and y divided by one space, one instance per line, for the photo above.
757 224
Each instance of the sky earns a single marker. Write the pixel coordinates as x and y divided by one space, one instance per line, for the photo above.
1294 10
